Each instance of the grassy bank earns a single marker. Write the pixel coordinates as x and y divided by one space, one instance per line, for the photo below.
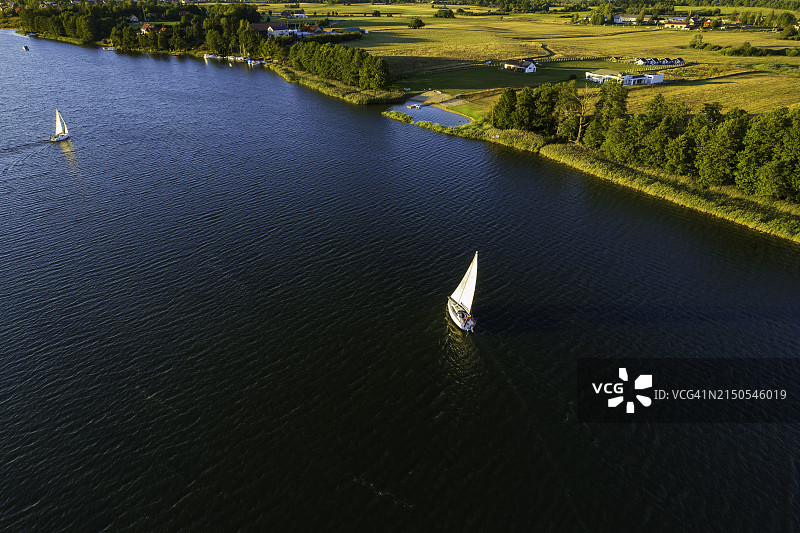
479 131
351 94
768 216
773 217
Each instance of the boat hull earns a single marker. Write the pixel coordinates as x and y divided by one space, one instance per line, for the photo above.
56 138
459 315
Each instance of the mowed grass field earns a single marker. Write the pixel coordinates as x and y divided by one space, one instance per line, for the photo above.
493 76
445 54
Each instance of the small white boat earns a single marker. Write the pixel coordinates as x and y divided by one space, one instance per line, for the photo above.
109 48
62 133
25 48
459 304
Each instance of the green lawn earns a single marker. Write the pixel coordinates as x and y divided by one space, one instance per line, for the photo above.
488 77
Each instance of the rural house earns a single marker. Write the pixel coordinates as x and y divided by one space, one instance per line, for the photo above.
270 29
520 65
679 24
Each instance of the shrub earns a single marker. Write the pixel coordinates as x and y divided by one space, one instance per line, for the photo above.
416 23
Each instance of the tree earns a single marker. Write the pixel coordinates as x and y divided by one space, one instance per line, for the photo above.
613 104
129 39
373 73
718 156
757 171
503 111
698 133
544 116
85 29
679 155
788 32
116 36
214 42
572 109
416 23
177 43
248 38
617 144
162 40
523 114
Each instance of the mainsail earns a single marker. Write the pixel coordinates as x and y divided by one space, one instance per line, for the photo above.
466 289
61 126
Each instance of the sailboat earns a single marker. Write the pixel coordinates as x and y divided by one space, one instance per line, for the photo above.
62 133
459 304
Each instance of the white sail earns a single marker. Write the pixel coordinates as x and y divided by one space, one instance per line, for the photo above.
61 126
466 289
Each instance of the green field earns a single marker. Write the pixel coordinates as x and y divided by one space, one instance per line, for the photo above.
445 54
491 76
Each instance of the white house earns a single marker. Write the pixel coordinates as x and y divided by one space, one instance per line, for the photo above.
520 65
627 18
677 24
277 29
603 75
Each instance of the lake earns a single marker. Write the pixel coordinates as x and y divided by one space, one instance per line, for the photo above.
223 308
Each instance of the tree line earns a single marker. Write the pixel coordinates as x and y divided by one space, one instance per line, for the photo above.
351 66
221 29
744 49
92 22
759 155
551 110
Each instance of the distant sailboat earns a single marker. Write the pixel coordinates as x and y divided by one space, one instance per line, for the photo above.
62 133
459 304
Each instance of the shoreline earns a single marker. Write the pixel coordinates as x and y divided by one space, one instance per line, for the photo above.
351 94
771 217
354 95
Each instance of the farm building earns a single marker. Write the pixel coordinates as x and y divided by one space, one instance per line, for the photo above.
626 18
603 75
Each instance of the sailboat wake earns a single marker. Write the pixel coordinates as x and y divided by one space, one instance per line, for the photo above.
19 154
400 502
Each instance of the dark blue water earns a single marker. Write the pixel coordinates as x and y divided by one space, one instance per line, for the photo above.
431 114
222 307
